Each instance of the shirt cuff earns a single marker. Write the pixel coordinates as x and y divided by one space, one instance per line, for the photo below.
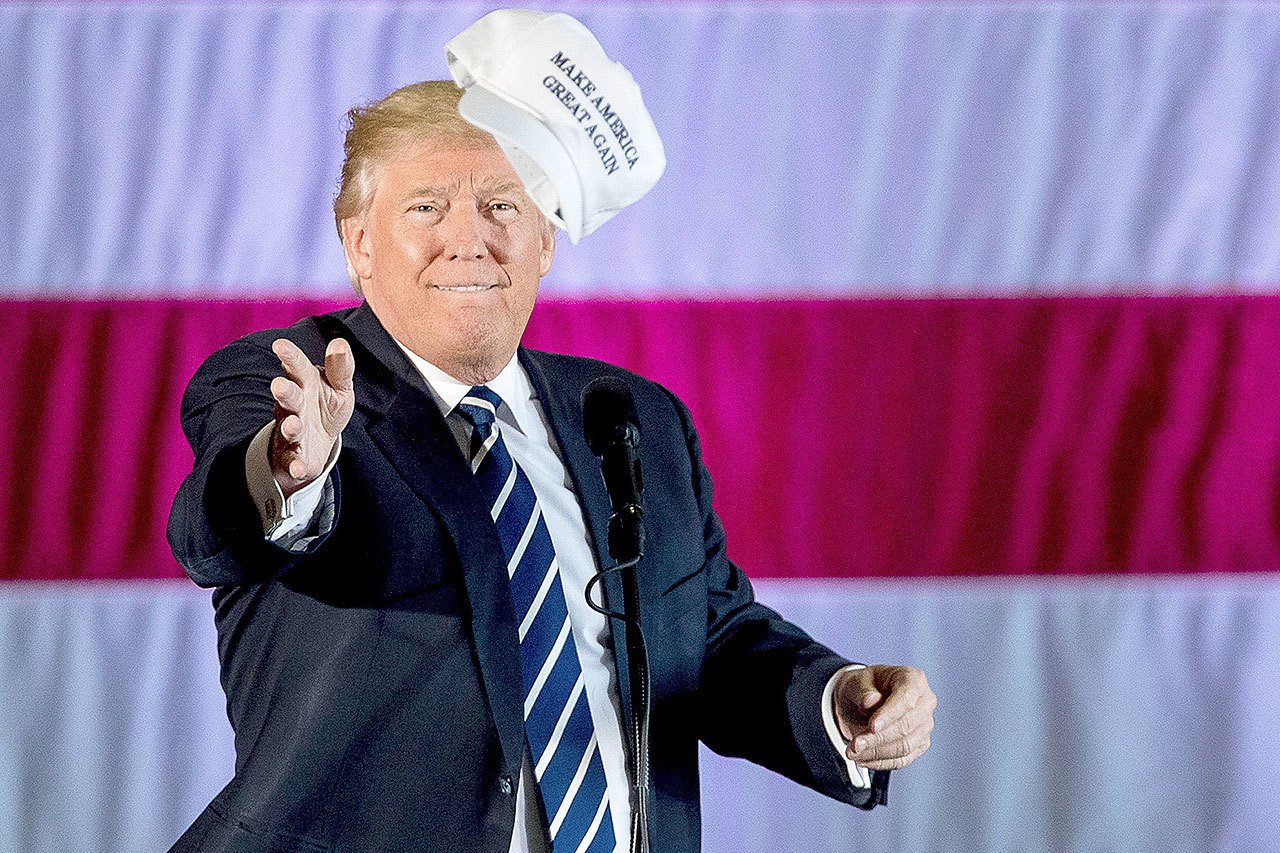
859 777
282 517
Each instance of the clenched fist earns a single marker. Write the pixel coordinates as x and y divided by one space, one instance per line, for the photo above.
313 404
886 715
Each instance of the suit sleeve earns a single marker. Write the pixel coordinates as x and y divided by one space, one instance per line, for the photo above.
215 529
763 677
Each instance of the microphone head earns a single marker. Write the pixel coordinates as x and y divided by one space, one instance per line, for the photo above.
609 414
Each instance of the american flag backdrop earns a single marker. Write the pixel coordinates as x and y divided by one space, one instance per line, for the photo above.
975 305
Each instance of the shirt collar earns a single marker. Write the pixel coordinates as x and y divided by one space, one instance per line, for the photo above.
511 384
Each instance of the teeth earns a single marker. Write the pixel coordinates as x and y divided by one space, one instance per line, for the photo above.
466 288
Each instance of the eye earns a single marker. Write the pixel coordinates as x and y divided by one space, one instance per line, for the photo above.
424 207
503 210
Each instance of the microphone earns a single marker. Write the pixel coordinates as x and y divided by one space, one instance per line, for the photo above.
613 433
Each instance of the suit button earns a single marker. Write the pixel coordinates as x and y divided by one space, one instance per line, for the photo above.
504 785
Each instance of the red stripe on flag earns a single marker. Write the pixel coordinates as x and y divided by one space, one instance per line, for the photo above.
847 438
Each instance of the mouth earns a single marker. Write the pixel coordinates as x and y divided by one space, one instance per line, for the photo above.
464 288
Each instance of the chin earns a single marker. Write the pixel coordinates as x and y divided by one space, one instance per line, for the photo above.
478 353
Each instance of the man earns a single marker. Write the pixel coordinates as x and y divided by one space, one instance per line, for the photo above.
371 528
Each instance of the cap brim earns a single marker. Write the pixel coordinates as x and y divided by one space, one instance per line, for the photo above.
515 125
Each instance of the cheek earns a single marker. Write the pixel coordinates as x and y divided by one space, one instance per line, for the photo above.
402 253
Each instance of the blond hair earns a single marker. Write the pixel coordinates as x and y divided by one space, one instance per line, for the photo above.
419 112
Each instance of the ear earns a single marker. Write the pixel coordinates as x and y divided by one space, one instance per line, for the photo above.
548 252
355 243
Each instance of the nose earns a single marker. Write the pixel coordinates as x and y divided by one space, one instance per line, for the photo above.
464 238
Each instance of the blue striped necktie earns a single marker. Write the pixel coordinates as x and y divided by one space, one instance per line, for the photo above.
557 721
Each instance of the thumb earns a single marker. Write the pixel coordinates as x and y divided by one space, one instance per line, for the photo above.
339 365
855 696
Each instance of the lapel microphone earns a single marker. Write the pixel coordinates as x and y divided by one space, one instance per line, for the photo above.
612 430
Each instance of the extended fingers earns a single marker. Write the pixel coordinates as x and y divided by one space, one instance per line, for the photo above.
294 361
287 393
313 404
291 428
286 456
287 449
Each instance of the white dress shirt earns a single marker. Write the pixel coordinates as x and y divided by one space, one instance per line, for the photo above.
295 521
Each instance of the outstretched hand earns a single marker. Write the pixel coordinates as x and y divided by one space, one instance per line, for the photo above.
313 404
886 715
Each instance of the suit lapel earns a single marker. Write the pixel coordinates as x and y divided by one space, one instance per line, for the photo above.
406 424
563 404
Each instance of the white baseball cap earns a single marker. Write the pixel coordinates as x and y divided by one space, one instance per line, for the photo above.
570 119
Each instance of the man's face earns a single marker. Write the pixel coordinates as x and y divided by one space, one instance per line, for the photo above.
449 255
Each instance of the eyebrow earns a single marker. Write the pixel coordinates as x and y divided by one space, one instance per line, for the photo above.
500 185
437 190
493 185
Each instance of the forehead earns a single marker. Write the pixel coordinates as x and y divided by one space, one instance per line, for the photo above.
437 167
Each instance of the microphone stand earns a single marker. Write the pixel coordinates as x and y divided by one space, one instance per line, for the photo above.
638 664
613 432
626 536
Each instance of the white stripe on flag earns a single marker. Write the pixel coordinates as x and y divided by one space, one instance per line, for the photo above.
963 188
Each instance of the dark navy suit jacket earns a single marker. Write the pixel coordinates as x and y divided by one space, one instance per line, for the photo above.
373 680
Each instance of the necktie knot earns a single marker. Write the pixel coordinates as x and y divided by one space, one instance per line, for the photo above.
480 407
